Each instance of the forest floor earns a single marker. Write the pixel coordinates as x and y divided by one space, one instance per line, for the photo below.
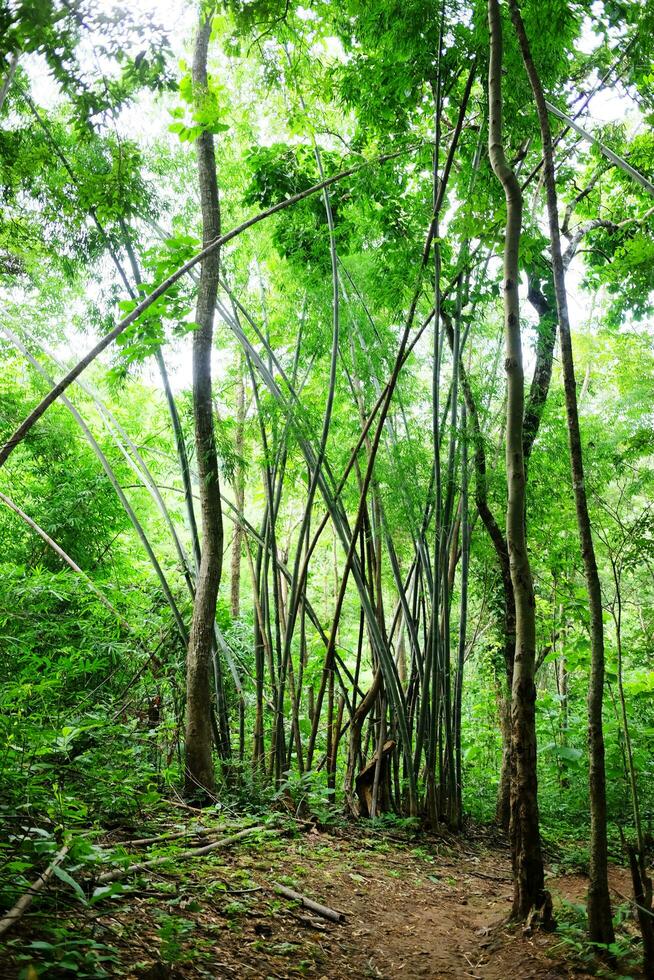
415 906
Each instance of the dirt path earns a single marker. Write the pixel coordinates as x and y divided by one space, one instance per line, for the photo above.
431 911
421 908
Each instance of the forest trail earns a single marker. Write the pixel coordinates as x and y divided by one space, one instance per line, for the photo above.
415 906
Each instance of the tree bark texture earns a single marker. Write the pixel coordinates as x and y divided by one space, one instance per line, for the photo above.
200 777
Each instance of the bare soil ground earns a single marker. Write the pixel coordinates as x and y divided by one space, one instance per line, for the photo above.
421 907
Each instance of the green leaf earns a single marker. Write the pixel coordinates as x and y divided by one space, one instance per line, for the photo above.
64 876
568 754
106 891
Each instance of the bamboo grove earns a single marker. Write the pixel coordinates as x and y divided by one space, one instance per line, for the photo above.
364 226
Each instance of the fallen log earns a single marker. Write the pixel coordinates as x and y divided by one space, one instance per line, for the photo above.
308 903
117 873
16 913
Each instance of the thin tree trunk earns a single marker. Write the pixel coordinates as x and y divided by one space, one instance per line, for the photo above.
358 719
463 617
432 677
600 925
528 873
503 802
9 77
259 748
199 763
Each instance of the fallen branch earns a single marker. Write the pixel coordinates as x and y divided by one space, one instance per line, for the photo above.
171 835
16 913
479 874
310 923
308 903
117 873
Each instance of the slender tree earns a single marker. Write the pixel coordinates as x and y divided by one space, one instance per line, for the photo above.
600 925
528 872
199 762
239 492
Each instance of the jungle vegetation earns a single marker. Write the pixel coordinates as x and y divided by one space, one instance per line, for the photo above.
326 405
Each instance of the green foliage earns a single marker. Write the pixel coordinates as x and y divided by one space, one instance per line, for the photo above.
205 110
66 956
172 930
96 212
308 795
135 46
572 927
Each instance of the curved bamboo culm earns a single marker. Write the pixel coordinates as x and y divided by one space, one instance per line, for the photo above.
614 158
430 706
146 479
15 914
106 466
58 550
304 530
276 391
133 458
74 567
9 77
179 439
180 443
419 539
163 287
340 523
331 392
337 516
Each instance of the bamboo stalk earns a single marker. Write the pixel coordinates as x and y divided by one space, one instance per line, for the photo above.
16 913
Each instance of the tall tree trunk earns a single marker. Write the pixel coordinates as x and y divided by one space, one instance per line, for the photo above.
199 762
600 926
528 873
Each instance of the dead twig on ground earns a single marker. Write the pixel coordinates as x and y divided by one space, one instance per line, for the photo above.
308 903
